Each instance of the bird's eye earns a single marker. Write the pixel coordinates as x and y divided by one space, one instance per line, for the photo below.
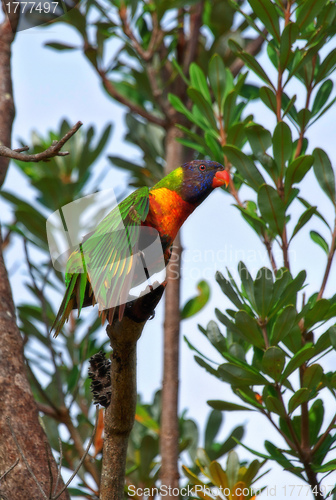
202 167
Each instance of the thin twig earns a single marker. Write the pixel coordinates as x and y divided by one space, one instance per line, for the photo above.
81 460
53 150
24 458
10 468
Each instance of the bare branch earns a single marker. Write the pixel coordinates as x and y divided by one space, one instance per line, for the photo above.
52 151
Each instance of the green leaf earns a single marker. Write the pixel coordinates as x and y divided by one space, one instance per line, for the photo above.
253 219
214 335
217 78
228 290
268 15
245 166
303 355
283 324
247 282
315 416
250 61
239 376
249 92
318 214
268 98
229 443
277 456
263 291
319 312
60 46
300 396
230 109
324 110
226 406
307 11
288 37
274 405
271 208
324 173
312 376
327 66
332 335
206 365
204 107
303 118
196 304
144 418
287 290
198 81
181 108
296 171
319 240
148 452
236 135
259 138
215 148
282 145
273 362
249 329
322 96
304 218
212 427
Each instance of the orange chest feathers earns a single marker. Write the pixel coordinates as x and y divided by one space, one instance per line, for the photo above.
167 212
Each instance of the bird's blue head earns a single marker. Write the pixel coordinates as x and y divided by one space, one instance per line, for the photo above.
200 177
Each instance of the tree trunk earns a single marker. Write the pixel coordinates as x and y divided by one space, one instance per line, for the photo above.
170 384
20 431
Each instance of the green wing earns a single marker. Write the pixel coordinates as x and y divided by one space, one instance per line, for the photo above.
101 269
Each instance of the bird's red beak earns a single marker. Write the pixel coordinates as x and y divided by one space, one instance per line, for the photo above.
222 177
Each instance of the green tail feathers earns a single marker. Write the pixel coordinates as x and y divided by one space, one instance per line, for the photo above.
67 304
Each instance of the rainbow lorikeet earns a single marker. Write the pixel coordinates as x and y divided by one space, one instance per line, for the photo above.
103 269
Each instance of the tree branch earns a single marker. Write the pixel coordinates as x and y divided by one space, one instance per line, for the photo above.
196 12
53 150
135 108
169 436
119 416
